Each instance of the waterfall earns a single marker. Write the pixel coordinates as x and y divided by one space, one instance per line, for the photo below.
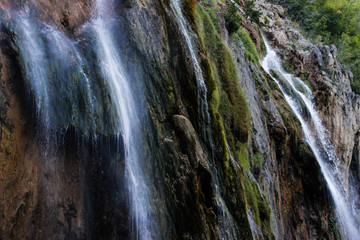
65 50
34 60
64 94
226 223
129 122
55 77
203 107
300 99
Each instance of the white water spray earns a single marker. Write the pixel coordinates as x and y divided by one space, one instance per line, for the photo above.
34 60
201 86
65 49
122 95
316 136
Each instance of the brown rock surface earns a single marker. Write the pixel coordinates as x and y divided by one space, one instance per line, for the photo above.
81 195
337 104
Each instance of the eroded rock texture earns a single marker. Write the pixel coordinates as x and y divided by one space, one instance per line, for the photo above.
249 156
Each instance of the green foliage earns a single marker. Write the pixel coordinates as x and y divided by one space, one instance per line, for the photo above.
232 18
304 76
251 13
214 19
356 87
331 21
332 224
266 20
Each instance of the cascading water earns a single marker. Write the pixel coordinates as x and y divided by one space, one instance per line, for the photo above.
34 59
300 99
64 95
227 226
65 50
129 123
55 76
201 86
226 222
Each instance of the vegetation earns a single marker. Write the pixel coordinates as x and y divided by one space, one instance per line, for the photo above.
189 7
257 160
331 21
250 48
258 204
230 111
228 99
242 156
232 18
251 13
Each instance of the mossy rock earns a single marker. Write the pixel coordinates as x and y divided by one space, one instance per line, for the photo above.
229 101
250 47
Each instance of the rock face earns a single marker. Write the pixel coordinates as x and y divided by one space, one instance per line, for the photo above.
244 173
330 83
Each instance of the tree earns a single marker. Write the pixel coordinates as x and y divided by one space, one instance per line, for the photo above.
232 18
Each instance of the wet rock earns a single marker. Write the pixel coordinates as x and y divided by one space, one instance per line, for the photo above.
81 194
191 143
331 84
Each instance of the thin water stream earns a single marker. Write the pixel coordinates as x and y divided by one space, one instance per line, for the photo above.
129 123
300 99
226 222
201 86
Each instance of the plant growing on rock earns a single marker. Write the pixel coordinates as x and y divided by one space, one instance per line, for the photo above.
331 22
232 18
253 14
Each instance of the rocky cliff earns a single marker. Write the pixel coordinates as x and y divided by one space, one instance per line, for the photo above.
318 65
241 170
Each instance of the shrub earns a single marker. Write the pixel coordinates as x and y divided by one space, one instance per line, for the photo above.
251 13
232 18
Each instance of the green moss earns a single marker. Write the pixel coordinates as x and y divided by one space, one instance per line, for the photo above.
213 91
227 101
211 3
219 128
273 85
231 104
250 48
170 98
241 155
262 46
214 19
252 198
288 66
230 114
189 8
332 225
206 31
258 204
